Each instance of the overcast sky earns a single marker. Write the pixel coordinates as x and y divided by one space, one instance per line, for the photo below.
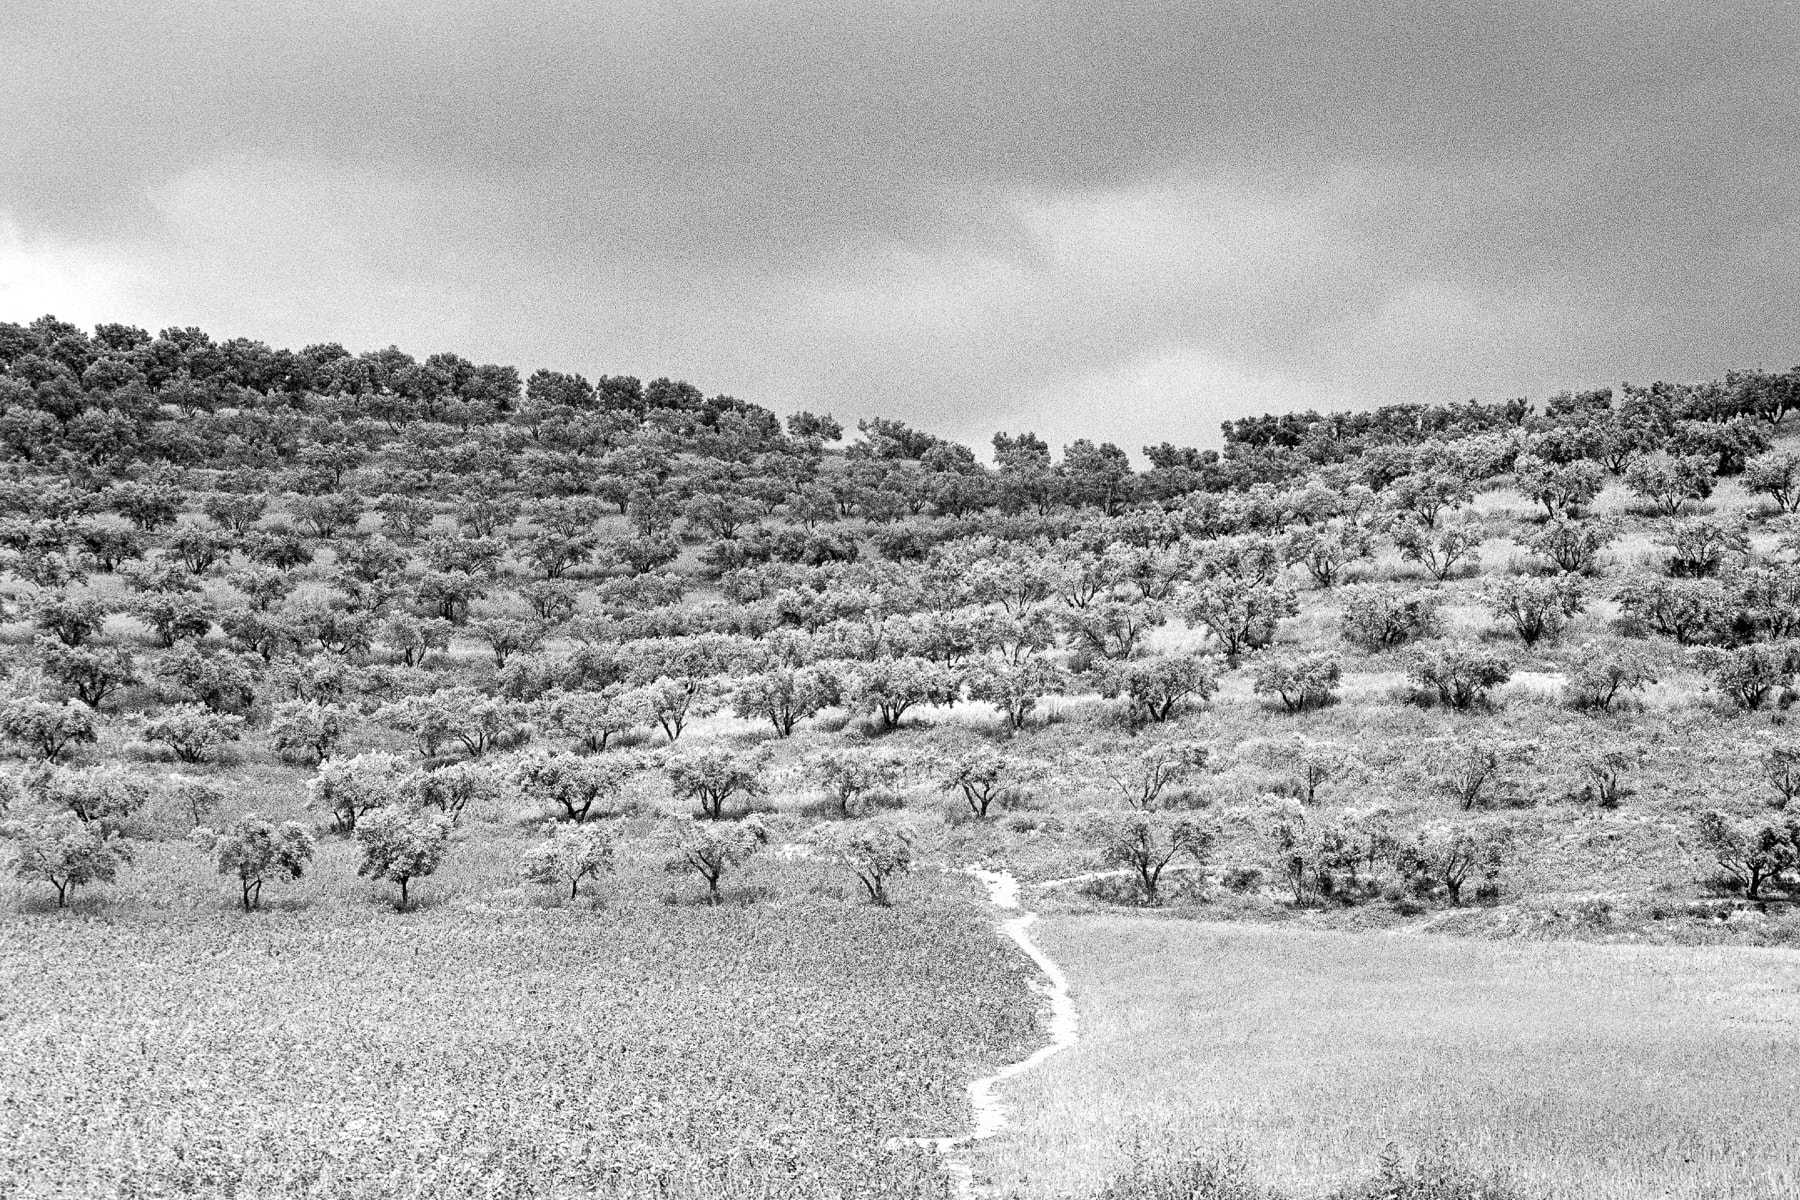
1125 220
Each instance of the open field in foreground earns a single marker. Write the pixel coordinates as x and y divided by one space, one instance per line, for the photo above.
1601 1072
488 1045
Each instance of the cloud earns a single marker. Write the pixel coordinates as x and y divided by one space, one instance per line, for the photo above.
1135 219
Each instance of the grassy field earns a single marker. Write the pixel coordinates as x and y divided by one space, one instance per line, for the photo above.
1591 1072
494 1044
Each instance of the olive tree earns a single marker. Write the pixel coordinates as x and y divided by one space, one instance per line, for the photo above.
710 849
572 784
712 776
400 844
1751 854
257 851
1301 681
876 850
1141 774
1143 844
61 849
45 729
1458 674
848 775
1157 689
350 788
569 854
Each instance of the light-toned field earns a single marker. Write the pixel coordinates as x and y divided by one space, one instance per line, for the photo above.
1601 1072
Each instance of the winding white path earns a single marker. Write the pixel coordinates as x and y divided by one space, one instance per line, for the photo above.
990 1115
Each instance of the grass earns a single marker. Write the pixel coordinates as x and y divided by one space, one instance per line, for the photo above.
492 1044
1583 1071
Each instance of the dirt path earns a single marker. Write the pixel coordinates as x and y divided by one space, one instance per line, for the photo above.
990 1114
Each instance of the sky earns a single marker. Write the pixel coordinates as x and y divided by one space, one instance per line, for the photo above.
1128 221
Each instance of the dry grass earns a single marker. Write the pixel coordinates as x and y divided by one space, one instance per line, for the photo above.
1599 1072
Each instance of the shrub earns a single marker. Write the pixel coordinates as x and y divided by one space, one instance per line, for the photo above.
46 730
1604 769
257 850
1301 681
1380 616
714 775
1688 610
710 849
1470 769
1310 764
569 854
401 844
876 850
64 851
1460 675
1143 844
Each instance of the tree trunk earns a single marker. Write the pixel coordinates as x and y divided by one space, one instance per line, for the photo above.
403 893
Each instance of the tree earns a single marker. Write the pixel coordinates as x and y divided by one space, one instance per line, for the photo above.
93 673
198 798
256 850
401 844
1536 607
47 730
714 775
60 849
569 854
460 716
1751 854
1564 489
1240 613
1698 545
193 732
1142 774
572 783
351 788
1469 771
888 688
785 695
592 719
1301 681
106 797
1461 675
877 850
673 700
72 620
1605 767
1380 616
1015 688
507 636
849 775
454 787
1572 546
1157 689
1144 843
1447 855
1440 550
308 729
1780 766
710 849
1667 484
1748 675
1777 476
1311 764
984 776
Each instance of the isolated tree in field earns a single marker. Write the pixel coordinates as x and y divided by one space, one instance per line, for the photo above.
350 788
888 688
197 798
1015 688
60 849
710 849
256 850
984 776
1780 768
1535 607
1441 550
46 730
1776 475
591 719
1447 855
713 776
106 797
1572 546
308 730
1300 681
1602 675
93 673
401 844
1460 675
572 785
1143 773
569 854
1752 854
784 696
877 850
1380 616
1604 769
193 733
1144 843
454 788
1243 615
1748 675
1157 689
850 775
